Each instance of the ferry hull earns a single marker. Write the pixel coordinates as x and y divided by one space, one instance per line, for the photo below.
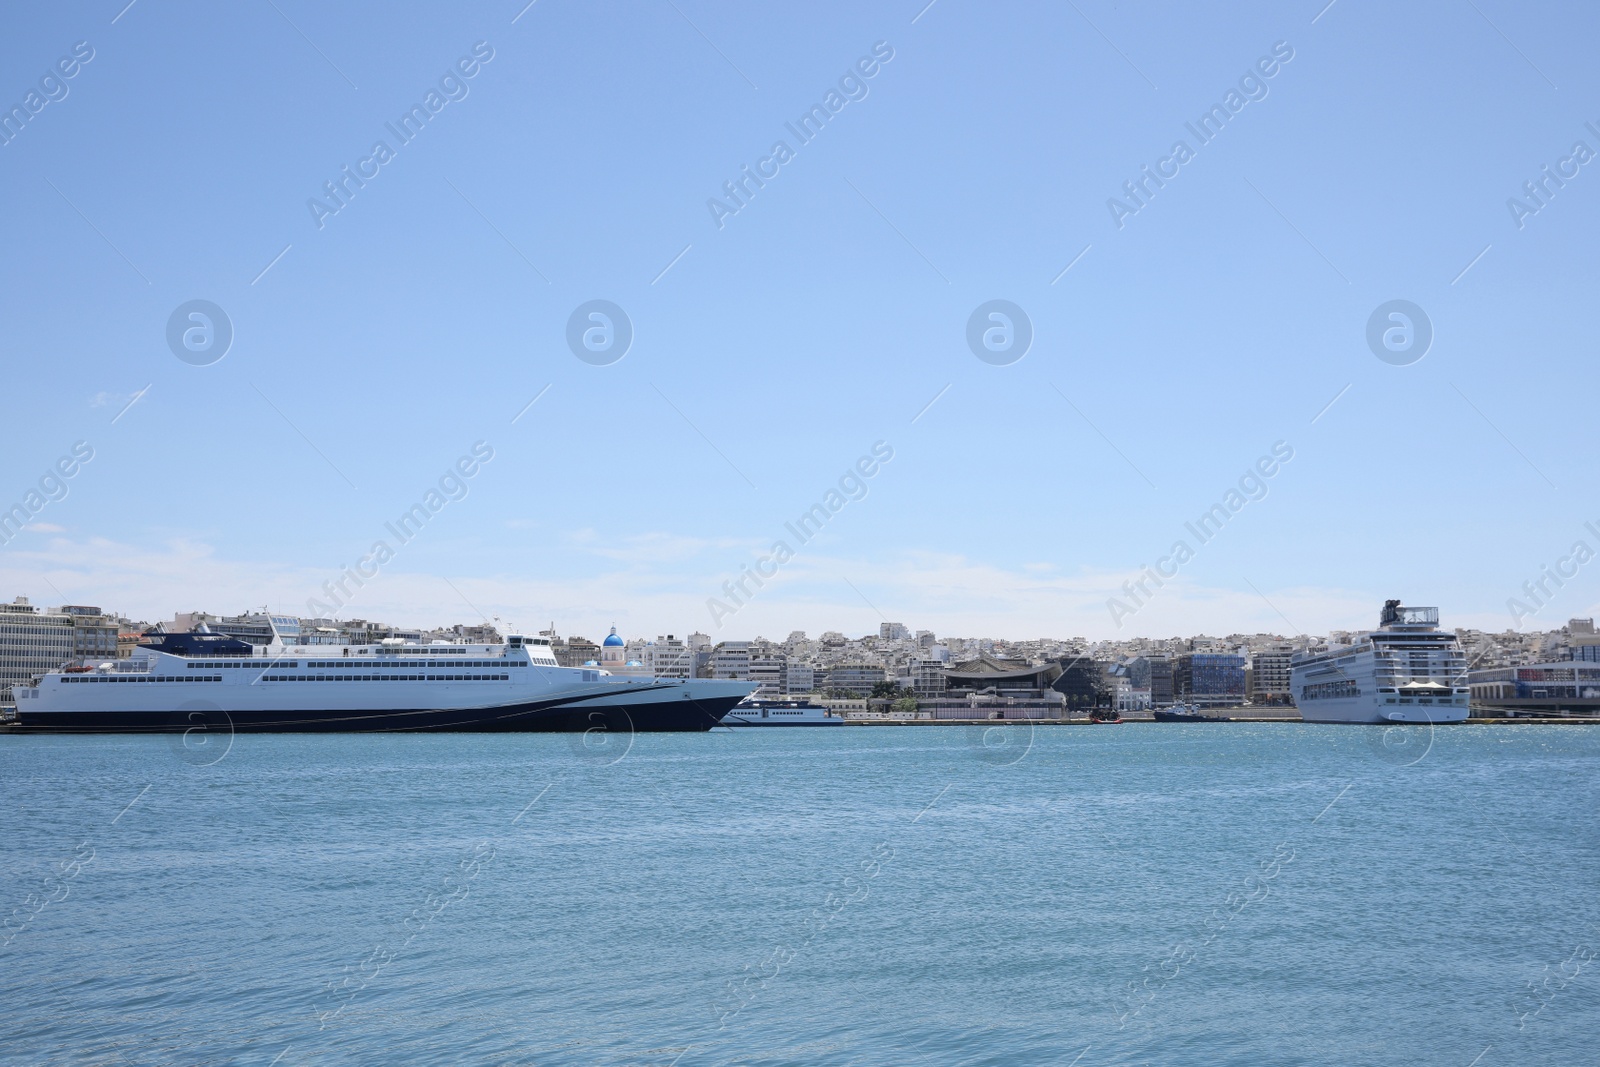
565 716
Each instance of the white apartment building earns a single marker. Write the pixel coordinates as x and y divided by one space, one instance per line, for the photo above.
731 659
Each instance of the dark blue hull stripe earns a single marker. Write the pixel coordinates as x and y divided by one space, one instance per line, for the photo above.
551 716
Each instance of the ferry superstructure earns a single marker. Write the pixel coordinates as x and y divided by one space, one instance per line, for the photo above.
781 713
174 681
1406 671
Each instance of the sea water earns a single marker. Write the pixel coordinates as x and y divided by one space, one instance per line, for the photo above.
1213 894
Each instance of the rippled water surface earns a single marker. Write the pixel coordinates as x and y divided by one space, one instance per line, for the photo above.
1164 894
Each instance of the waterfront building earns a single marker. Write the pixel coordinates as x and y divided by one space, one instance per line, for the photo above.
1154 672
1268 673
1082 683
995 687
1560 687
856 678
1129 699
1210 679
800 678
928 677
31 643
770 673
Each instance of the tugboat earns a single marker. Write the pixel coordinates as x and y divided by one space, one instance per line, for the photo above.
1104 715
1186 713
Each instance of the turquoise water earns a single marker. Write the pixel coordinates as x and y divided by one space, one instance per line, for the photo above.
1161 894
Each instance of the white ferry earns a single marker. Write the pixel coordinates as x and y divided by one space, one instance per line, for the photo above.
174 681
781 713
1407 670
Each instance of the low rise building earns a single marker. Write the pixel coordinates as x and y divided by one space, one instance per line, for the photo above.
855 678
799 679
1559 688
1154 672
669 657
731 659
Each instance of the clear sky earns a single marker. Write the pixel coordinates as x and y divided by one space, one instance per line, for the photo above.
970 153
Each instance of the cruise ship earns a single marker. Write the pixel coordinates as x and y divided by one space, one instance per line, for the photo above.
1406 671
173 681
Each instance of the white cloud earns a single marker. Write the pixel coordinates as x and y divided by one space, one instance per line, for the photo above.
660 583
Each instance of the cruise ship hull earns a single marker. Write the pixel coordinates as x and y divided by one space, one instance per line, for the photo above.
1367 711
648 708
660 716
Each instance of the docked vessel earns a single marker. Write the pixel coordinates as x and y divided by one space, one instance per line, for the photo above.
1407 670
175 681
781 713
1186 713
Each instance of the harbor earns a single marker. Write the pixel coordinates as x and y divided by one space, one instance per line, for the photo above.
92 672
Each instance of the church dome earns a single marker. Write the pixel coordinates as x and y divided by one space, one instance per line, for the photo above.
612 640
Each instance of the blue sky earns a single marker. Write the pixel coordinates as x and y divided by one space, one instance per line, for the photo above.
372 351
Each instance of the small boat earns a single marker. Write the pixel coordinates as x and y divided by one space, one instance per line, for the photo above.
1100 715
1186 713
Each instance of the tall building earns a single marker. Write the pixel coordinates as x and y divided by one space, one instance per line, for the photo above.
33 642
1211 679
1269 675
